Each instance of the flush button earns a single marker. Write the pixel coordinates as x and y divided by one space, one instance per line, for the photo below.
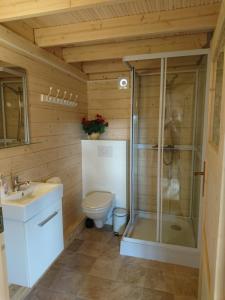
105 151
1 221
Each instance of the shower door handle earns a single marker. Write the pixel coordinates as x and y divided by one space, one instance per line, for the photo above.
202 173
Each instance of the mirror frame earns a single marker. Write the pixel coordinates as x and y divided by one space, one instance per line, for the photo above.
23 75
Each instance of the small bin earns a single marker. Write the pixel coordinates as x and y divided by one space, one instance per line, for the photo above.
119 220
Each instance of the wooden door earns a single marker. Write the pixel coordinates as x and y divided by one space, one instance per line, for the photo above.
212 270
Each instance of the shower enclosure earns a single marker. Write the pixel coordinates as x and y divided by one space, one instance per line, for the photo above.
167 151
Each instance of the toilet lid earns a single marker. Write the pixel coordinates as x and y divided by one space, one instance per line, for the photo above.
97 200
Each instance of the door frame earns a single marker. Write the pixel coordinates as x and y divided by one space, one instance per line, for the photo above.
211 284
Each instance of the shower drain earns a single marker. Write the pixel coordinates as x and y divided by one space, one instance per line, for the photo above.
175 227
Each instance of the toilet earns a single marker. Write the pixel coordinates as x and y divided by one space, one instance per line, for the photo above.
96 206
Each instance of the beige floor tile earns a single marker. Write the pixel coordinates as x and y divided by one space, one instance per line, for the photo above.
75 261
95 288
46 294
145 263
186 286
105 268
112 253
158 280
183 270
170 269
149 294
90 248
68 281
122 291
74 246
47 280
96 235
91 268
132 274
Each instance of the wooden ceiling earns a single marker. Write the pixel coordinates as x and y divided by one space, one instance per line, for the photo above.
88 11
90 31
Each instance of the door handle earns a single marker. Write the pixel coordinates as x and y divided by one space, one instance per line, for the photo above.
202 173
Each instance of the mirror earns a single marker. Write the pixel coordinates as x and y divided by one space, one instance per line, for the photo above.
14 127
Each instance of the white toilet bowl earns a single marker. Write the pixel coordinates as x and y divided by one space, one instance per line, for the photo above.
96 206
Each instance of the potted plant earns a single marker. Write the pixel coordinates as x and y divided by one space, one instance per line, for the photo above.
94 127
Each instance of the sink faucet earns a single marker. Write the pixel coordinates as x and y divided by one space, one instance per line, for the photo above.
16 184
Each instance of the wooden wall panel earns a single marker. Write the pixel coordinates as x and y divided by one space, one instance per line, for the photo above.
105 98
55 135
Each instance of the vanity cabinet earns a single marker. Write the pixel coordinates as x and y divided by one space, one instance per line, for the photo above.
33 243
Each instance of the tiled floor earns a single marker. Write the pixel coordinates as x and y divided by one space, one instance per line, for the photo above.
92 268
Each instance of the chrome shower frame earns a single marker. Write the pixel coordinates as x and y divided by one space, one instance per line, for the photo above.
147 249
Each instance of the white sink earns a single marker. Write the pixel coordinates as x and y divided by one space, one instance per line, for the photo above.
32 191
23 205
29 191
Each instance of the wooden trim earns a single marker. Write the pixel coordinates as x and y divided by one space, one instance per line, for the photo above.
206 257
218 41
18 10
11 40
74 230
194 19
121 49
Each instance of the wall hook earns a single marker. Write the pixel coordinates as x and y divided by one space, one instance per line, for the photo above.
50 91
64 95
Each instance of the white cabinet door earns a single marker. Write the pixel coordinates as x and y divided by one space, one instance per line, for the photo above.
44 235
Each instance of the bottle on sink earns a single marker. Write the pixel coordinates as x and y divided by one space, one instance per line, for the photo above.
3 187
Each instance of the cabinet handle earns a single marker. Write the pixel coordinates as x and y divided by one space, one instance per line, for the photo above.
48 219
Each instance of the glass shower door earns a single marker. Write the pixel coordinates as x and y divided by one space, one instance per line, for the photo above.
179 123
149 111
144 152
134 147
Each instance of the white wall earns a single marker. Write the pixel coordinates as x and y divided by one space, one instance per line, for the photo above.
104 168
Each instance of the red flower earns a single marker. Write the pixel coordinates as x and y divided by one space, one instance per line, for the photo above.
96 125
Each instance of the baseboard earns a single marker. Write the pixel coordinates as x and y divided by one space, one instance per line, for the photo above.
74 230
17 292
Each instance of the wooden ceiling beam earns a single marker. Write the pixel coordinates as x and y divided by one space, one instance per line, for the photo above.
194 19
106 66
121 49
19 44
18 10
117 65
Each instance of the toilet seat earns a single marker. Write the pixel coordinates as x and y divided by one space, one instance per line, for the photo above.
97 200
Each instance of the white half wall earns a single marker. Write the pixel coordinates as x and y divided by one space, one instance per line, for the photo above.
105 168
